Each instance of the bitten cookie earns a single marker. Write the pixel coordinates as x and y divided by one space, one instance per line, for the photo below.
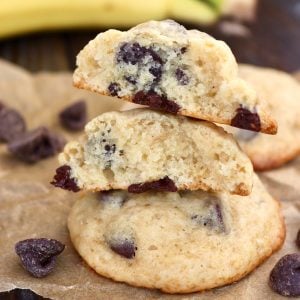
164 66
142 150
283 93
176 242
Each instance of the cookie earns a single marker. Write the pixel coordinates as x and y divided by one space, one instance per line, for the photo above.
142 150
166 67
176 242
283 93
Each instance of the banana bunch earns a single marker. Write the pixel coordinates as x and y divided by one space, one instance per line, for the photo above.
19 16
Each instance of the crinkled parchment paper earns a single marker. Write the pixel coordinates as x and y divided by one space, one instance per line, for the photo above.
31 207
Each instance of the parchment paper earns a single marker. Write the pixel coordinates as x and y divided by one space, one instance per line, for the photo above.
31 207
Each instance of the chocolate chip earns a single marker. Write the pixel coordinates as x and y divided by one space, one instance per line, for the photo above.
181 76
114 89
12 124
245 119
36 145
211 216
63 179
110 149
74 116
131 79
246 135
298 239
285 276
156 101
183 50
162 185
131 53
124 247
156 71
38 256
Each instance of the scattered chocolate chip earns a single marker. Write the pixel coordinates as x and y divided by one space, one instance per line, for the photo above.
121 152
12 124
110 149
123 247
131 79
246 135
156 71
156 101
35 145
74 117
181 76
298 239
245 119
114 89
131 53
38 256
113 198
162 185
63 179
183 50
285 276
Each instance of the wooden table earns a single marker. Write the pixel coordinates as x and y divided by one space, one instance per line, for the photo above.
273 40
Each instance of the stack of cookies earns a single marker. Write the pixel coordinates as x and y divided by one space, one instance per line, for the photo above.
170 202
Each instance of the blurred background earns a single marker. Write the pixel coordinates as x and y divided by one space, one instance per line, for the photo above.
47 35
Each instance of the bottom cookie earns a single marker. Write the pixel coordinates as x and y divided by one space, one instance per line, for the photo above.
176 242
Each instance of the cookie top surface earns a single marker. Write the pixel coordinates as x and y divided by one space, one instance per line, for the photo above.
176 242
164 66
283 93
142 149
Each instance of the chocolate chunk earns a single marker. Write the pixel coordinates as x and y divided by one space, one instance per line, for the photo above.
131 53
63 179
114 89
162 185
181 76
285 276
156 101
245 119
12 124
74 117
246 135
36 145
124 247
38 256
211 216
298 239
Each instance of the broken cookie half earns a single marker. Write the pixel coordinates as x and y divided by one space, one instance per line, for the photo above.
166 67
141 150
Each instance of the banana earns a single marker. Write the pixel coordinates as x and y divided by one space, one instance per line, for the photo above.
20 16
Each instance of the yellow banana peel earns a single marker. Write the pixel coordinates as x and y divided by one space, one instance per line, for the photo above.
19 16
